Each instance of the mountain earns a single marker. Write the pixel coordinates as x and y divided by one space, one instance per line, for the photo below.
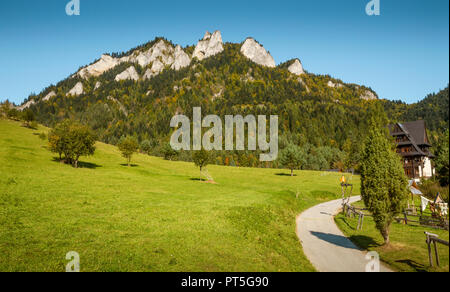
137 93
433 109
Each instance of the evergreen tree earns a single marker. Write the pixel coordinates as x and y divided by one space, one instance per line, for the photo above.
383 180
292 157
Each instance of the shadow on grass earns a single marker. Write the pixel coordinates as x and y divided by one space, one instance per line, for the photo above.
413 264
197 179
284 174
364 242
81 164
131 165
338 240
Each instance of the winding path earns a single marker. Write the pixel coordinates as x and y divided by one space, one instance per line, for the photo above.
325 245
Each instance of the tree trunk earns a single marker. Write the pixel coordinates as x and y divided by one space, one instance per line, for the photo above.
292 172
385 234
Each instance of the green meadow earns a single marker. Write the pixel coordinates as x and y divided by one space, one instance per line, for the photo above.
153 216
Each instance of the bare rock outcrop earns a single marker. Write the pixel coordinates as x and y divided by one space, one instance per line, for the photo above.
26 105
182 59
210 45
97 85
76 90
296 68
129 74
368 95
255 52
105 63
161 50
49 95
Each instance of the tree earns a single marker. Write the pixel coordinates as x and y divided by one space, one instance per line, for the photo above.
146 147
73 140
82 142
383 180
442 160
169 153
292 157
201 158
128 146
28 117
58 139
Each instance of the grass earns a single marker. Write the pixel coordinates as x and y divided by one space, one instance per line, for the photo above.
154 216
407 252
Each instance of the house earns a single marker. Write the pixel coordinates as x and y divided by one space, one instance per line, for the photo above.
414 146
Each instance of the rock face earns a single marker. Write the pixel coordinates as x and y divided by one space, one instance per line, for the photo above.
368 95
296 68
160 50
76 90
209 46
26 105
130 73
255 52
97 85
48 96
104 64
181 59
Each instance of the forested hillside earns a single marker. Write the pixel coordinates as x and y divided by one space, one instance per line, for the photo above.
327 118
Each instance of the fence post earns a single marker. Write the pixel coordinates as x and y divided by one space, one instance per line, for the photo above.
430 256
436 252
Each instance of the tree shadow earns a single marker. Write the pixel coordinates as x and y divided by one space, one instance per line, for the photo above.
338 240
81 164
364 242
413 264
131 165
284 174
197 179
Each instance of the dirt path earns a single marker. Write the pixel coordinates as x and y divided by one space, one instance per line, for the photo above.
325 245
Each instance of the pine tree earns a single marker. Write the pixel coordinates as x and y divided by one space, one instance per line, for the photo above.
292 157
383 180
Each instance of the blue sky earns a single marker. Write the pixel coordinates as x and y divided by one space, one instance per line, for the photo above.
401 54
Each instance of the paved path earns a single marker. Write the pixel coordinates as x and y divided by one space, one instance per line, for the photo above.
325 245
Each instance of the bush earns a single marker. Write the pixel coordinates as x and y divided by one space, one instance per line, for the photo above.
430 188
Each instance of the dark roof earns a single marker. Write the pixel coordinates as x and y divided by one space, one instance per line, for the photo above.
416 133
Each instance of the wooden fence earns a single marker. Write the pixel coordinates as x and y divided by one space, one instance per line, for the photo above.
434 239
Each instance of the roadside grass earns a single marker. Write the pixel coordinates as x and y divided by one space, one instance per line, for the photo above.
407 252
150 217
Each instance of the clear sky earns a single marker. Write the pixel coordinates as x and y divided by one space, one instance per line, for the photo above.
401 54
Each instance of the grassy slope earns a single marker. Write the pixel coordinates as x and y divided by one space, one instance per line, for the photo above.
152 217
408 251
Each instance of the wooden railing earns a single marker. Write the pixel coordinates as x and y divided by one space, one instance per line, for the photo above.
434 239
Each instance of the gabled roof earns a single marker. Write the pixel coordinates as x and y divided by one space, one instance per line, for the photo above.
416 133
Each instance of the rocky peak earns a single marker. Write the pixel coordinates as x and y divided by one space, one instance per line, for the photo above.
160 50
105 63
209 46
181 59
129 74
255 52
296 68
368 95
